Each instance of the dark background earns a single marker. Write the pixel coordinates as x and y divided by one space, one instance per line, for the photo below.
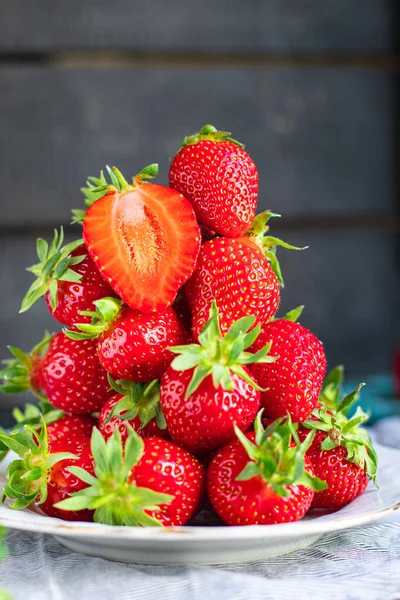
308 86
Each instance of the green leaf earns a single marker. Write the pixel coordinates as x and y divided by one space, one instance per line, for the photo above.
200 373
251 470
294 314
42 249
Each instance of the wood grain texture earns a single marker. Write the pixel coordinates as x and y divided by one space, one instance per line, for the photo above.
322 139
222 25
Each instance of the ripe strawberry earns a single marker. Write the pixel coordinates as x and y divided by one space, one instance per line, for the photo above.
263 477
293 382
143 238
143 482
72 376
342 453
219 178
132 345
206 390
70 426
23 372
236 273
67 278
134 404
41 475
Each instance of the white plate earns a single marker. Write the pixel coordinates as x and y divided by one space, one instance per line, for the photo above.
215 544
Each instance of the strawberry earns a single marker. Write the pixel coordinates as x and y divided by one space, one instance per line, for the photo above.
293 382
72 376
143 482
70 426
67 278
143 238
241 274
207 388
23 372
342 453
219 178
263 477
134 404
131 344
41 475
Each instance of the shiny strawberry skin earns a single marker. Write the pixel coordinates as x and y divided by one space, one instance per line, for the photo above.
72 376
70 426
221 182
205 421
251 502
135 346
294 381
145 242
167 468
74 297
107 429
237 275
61 483
346 480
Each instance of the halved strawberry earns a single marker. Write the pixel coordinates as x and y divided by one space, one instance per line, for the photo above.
143 238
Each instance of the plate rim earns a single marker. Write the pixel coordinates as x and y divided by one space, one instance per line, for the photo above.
53 526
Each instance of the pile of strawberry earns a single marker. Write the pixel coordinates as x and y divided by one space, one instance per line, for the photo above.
173 385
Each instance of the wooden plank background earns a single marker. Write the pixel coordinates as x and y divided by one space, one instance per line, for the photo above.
310 87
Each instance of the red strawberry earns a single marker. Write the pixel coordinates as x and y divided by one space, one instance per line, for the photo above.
263 477
70 426
219 179
293 382
72 376
206 390
342 453
236 273
132 345
147 482
143 238
67 278
41 475
23 372
137 405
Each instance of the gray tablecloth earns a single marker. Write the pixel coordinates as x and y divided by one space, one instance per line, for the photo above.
357 564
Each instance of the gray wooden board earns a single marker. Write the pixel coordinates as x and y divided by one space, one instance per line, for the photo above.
322 139
227 25
347 281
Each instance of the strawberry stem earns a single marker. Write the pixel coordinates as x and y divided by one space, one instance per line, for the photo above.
220 356
107 310
209 132
277 456
112 493
341 431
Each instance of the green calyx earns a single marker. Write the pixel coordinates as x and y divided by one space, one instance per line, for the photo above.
27 475
221 356
269 243
293 315
115 499
341 431
34 415
55 262
277 456
209 132
107 310
332 389
18 371
138 399
97 187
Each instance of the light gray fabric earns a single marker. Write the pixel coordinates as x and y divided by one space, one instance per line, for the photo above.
354 565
